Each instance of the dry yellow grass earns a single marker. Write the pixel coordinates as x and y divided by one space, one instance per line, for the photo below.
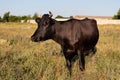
20 58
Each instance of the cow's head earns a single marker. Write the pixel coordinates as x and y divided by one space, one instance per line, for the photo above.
44 30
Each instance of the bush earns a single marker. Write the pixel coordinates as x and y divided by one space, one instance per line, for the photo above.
13 18
59 16
7 17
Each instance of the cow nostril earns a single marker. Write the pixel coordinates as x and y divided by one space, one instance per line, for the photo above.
38 38
32 38
35 39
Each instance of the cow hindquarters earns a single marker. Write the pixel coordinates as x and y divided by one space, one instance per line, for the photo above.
81 56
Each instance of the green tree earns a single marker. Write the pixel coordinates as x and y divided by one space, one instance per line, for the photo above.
118 13
117 16
6 17
29 17
1 19
35 16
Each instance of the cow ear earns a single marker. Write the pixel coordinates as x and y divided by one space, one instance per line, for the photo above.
37 20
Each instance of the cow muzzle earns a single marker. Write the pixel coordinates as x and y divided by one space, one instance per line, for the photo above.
35 39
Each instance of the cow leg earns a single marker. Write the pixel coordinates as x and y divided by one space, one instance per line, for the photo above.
68 61
81 56
69 54
69 65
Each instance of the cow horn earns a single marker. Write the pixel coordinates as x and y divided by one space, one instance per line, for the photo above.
50 14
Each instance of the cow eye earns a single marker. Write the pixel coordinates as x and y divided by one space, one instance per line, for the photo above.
45 23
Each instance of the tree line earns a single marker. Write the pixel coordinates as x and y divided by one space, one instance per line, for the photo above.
7 17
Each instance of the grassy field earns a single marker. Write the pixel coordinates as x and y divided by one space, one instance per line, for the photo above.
22 59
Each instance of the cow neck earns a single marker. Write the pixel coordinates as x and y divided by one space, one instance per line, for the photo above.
55 37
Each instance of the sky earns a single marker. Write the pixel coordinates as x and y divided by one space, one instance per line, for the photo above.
60 7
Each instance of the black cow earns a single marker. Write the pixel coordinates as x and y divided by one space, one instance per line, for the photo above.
76 37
